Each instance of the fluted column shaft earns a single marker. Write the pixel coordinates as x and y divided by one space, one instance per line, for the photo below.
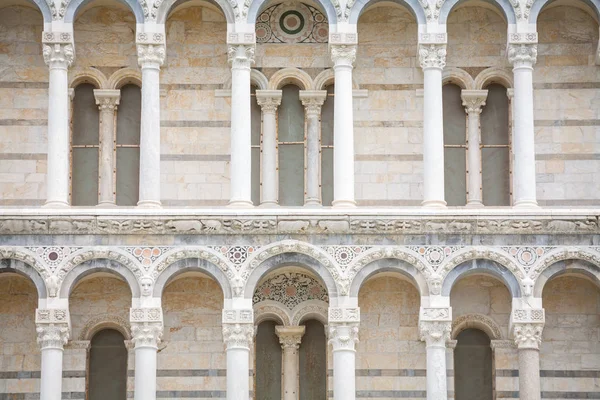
473 101
107 101
313 101
269 101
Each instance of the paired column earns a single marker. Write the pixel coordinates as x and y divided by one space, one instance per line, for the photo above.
433 59
527 327
107 101
269 101
241 56
146 330
151 57
238 334
313 101
290 338
343 56
343 337
435 325
523 56
473 101
52 326
58 54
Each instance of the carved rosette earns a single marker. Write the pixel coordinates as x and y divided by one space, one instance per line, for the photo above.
522 55
290 337
432 55
238 335
52 327
241 56
528 335
343 336
435 333
474 100
268 103
343 54
146 326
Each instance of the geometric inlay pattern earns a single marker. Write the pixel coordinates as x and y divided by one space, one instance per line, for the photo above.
292 23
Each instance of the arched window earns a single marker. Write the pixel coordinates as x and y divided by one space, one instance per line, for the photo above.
256 129
473 374
84 147
268 362
291 144
327 148
495 148
313 362
455 146
107 371
128 146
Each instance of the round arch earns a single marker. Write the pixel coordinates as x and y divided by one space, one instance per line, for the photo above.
269 310
189 265
105 321
476 321
562 267
459 77
75 5
289 259
310 309
389 265
165 8
287 76
503 6
482 266
89 75
257 6
493 75
538 6
40 5
99 265
21 268
413 6
124 77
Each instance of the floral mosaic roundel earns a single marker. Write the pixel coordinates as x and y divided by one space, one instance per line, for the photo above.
292 23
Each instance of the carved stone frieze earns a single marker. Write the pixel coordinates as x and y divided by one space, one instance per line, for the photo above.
343 314
237 316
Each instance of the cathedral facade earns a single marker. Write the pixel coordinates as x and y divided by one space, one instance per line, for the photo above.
299 200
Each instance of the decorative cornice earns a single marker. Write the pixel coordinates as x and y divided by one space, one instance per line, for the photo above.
522 55
238 335
240 56
473 100
432 55
343 336
290 337
343 54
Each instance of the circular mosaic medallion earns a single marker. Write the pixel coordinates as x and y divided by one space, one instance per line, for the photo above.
291 22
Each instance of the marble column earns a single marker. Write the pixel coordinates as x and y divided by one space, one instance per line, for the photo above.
146 332
433 59
150 59
241 56
473 101
52 326
435 334
343 56
107 101
313 100
238 339
269 101
343 338
523 57
528 337
58 55
290 338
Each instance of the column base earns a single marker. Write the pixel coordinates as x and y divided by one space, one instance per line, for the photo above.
314 203
526 204
475 204
433 204
269 204
343 204
56 204
240 204
107 204
149 204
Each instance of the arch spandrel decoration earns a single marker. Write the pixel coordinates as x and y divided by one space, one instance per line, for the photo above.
253 8
292 23
290 289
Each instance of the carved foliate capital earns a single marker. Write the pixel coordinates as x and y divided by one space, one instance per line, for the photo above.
343 336
146 334
269 100
52 327
432 55
473 100
238 335
151 55
58 55
343 54
240 56
528 335
435 333
290 337
107 100
313 100
522 54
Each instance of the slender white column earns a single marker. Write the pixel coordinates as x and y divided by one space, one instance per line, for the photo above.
473 101
238 338
527 327
523 57
52 326
433 59
343 337
313 101
343 56
290 338
241 56
435 334
59 55
269 101
107 101
146 331
150 59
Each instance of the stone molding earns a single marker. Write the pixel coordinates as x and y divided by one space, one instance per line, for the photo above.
290 337
473 100
52 327
432 55
343 336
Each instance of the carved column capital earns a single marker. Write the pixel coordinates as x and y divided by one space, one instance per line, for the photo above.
290 337
432 55
473 100
146 326
241 56
58 55
238 335
52 327
343 336
106 99
151 55
435 333
522 55
527 327
343 54
313 100
268 100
